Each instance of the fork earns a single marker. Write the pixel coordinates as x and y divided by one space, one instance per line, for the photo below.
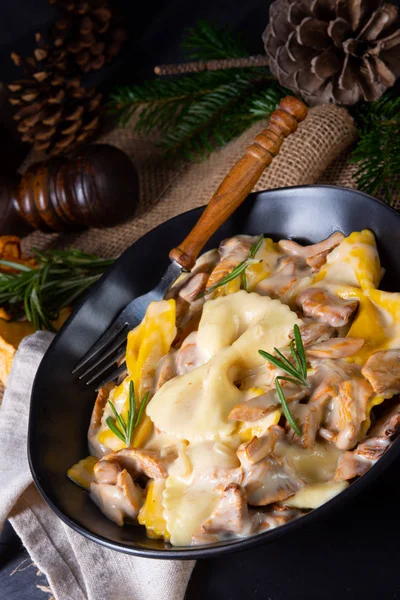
109 349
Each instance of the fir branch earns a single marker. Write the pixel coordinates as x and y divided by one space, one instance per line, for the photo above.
378 148
199 112
173 94
211 121
206 42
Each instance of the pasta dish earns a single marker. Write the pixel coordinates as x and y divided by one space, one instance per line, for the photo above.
261 386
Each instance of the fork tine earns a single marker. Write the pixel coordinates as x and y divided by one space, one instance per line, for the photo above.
99 358
108 336
113 375
107 364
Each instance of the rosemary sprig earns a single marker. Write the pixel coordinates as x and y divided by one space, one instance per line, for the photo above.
286 409
124 429
240 269
58 279
297 372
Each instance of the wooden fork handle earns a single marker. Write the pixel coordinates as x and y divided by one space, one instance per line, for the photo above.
240 180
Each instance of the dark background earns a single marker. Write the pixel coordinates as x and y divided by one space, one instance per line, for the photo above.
155 29
351 555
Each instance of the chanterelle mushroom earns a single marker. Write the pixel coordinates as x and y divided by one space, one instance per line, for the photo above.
335 348
382 370
324 306
232 251
118 502
267 478
349 411
231 515
357 462
291 247
137 461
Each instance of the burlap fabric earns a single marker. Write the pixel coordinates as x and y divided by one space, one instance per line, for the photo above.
308 156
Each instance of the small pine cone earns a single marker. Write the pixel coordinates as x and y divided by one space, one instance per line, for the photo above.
88 26
337 51
55 118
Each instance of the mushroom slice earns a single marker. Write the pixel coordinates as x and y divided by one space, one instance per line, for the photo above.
382 370
260 406
195 286
311 250
357 462
336 348
349 411
230 516
274 516
165 370
317 261
324 306
315 413
106 471
388 423
137 461
98 408
259 447
187 357
232 251
313 332
255 408
272 479
118 502
289 271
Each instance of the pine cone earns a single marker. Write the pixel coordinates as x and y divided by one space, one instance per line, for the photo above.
88 32
337 51
54 112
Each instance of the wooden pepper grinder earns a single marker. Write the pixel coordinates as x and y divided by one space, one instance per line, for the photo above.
98 187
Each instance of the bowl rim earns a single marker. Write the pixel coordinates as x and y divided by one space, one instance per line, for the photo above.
240 543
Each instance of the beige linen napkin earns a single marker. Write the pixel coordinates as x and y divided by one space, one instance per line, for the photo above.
76 568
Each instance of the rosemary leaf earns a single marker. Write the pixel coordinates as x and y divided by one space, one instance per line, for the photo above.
300 349
41 291
15 265
119 419
142 407
286 409
295 381
230 277
131 414
278 363
244 280
114 429
255 247
240 269
296 357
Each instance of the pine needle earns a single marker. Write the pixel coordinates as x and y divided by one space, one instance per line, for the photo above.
199 112
39 293
378 148
206 42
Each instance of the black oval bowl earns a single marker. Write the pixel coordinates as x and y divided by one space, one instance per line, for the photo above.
61 404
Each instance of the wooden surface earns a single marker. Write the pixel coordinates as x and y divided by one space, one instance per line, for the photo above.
239 182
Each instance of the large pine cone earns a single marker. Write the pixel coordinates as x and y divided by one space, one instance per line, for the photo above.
337 51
